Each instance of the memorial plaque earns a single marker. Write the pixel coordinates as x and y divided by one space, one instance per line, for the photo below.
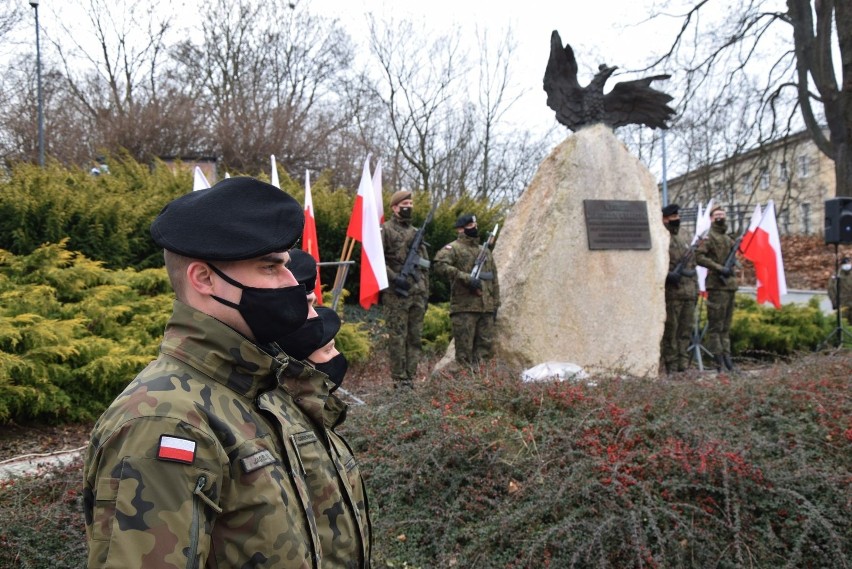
617 224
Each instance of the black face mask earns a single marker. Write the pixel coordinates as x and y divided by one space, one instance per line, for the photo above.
471 232
405 212
304 341
721 224
269 312
335 369
673 225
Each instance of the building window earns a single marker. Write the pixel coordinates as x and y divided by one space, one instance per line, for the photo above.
763 178
782 172
806 218
748 187
804 166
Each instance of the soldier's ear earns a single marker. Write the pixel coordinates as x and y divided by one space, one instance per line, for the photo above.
199 277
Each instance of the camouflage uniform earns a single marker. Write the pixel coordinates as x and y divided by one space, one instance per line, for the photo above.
259 482
845 278
680 307
711 253
403 314
472 314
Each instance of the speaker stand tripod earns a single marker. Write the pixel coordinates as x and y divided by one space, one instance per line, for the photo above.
839 333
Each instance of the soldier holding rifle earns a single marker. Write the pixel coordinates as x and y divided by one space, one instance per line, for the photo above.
404 301
718 253
474 290
681 294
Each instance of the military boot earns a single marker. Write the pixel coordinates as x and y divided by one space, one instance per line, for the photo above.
720 362
729 363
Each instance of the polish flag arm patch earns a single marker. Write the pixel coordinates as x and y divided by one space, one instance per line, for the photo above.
176 449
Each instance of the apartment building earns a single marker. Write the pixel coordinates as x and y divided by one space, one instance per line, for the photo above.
791 171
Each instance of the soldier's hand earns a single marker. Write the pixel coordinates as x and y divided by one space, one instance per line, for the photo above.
673 278
474 284
726 272
401 282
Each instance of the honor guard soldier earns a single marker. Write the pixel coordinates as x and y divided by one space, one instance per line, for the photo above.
217 454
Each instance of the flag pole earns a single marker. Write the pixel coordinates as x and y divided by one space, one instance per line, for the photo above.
342 270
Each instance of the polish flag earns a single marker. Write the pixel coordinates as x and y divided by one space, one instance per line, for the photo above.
377 187
364 227
762 246
176 449
273 177
199 180
309 233
702 226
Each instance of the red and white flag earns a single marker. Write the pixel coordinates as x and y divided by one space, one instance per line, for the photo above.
377 187
702 226
176 449
762 246
273 177
199 180
309 233
364 227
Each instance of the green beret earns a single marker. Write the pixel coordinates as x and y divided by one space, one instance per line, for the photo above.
399 196
464 219
238 218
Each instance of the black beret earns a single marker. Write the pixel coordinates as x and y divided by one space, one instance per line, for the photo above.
304 268
238 218
330 322
464 219
670 209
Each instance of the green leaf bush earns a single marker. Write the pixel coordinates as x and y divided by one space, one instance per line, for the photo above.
764 332
73 333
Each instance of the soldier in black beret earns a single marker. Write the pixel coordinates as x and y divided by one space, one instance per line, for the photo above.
681 295
473 300
304 269
222 416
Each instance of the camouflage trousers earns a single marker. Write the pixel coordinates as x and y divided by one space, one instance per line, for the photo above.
473 334
677 334
404 321
720 314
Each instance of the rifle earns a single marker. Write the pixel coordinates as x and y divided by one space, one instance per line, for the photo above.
476 271
731 258
684 259
413 260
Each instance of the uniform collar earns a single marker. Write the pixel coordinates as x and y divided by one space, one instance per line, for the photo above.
220 352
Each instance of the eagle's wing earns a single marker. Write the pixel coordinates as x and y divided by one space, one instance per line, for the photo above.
564 94
636 102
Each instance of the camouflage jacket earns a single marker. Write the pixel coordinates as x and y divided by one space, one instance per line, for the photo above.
454 262
845 289
216 456
396 240
711 253
687 287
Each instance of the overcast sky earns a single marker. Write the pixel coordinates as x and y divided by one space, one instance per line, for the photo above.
611 31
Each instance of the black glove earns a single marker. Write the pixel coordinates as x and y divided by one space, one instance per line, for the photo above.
673 278
474 284
687 273
726 272
401 283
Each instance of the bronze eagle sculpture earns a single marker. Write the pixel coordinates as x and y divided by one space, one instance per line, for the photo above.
629 102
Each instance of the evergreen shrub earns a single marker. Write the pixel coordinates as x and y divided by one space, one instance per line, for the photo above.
766 332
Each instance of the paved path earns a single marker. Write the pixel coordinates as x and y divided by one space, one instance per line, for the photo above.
36 464
797 297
